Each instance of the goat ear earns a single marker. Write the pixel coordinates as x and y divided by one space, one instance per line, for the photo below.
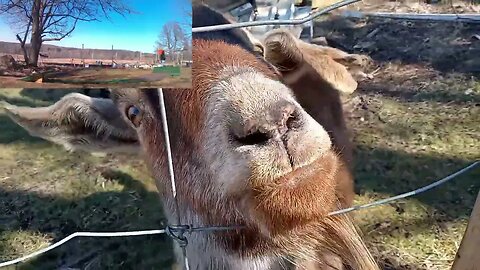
295 59
78 122
281 50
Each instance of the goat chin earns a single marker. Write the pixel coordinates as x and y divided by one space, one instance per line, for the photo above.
333 243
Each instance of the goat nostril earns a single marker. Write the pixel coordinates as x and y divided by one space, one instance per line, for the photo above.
274 125
292 121
254 138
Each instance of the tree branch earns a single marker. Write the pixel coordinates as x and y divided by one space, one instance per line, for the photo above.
26 34
12 5
22 43
53 20
47 16
64 35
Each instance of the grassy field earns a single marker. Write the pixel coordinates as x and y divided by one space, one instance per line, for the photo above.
402 143
47 193
417 121
101 77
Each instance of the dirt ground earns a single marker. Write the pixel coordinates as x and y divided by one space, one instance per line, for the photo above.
416 6
102 77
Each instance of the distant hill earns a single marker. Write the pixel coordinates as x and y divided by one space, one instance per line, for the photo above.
65 52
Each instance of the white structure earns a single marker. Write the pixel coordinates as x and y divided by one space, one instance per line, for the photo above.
269 10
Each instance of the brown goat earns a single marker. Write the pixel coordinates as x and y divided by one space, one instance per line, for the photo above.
250 147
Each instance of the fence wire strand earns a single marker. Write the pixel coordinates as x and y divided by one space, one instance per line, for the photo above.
407 194
80 234
180 238
191 229
274 22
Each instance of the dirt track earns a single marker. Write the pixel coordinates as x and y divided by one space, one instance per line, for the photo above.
102 77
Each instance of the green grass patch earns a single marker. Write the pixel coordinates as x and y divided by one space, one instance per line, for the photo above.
170 70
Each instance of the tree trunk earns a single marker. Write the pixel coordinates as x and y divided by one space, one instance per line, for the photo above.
25 54
24 48
36 37
35 46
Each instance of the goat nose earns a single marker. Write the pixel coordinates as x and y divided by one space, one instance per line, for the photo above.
273 123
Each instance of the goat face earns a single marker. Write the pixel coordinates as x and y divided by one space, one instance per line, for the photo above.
240 140
262 150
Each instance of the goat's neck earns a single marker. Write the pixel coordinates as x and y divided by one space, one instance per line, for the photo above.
203 252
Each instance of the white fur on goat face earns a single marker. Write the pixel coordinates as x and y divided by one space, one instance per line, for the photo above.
243 95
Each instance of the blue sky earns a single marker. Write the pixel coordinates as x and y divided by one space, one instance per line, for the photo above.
136 32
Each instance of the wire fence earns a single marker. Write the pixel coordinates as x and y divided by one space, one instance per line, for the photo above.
180 238
177 232
274 22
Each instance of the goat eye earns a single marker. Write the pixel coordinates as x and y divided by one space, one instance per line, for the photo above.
134 115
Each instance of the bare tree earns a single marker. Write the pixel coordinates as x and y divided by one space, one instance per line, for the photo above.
172 39
187 48
39 21
187 43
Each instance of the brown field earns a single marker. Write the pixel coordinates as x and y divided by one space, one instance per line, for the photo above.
79 61
101 77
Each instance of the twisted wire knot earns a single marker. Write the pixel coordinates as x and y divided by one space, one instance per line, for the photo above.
177 233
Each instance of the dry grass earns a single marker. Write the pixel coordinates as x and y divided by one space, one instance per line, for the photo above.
415 6
408 135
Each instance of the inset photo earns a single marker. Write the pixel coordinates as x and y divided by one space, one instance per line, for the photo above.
101 43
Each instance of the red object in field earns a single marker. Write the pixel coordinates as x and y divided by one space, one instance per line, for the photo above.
160 51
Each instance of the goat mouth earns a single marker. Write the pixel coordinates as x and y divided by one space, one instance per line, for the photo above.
301 175
299 197
297 175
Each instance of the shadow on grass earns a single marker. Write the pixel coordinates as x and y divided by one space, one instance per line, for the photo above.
12 133
53 95
21 101
392 172
50 95
413 94
447 47
443 57
133 208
